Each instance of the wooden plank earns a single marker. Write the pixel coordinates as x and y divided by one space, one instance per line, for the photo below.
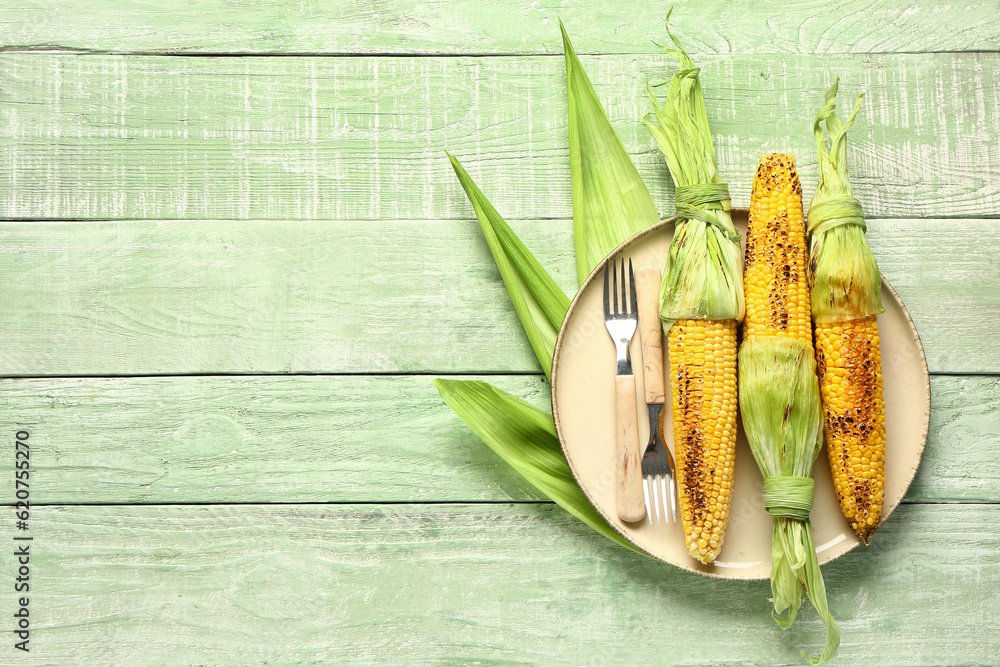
256 439
961 454
474 584
513 26
137 298
935 289
350 439
364 138
177 297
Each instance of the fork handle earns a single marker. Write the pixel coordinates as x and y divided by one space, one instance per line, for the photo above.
647 284
631 506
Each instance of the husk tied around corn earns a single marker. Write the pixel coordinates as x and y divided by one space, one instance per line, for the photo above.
779 391
701 303
846 284
845 302
703 275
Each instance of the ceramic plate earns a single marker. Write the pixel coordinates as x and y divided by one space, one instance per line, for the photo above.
583 404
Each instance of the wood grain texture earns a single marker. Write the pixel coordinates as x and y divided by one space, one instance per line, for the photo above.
364 138
629 502
158 297
647 287
256 439
522 584
260 206
965 421
349 439
260 297
511 26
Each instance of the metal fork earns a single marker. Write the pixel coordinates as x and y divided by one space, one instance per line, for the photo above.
620 317
658 477
658 486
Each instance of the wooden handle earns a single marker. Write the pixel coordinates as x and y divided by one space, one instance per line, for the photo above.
647 285
631 506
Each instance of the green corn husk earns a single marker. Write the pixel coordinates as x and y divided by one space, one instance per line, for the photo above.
783 421
610 201
525 437
610 204
522 435
845 280
703 277
540 304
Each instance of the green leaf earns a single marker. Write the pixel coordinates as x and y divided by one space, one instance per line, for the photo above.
540 304
794 571
703 277
783 422
525 437
846 284
610 201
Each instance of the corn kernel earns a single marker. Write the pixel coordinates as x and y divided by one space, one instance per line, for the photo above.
703 390
855 423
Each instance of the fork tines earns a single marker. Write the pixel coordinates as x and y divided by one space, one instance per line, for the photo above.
658 475
660 488
628 307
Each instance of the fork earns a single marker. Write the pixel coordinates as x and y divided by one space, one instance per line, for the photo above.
658 484
620 316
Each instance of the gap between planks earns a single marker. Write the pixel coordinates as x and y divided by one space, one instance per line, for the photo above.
53 49
411 503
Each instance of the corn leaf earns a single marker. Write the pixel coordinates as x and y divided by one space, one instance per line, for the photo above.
540 304
610 201
525 437
703 277
846 284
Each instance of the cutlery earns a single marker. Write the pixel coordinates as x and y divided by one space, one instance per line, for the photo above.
620 314
658 485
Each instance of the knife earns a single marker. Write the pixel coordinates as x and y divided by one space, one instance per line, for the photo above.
651 338
647 285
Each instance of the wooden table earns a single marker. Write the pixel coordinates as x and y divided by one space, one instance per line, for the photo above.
234 256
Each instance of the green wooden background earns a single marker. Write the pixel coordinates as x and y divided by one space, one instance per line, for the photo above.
233 256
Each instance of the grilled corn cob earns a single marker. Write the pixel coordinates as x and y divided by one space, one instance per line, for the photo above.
779 392
703 389
774 266
701 303
850 373
845 300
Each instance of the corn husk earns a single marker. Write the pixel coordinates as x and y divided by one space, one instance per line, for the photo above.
610 201
610 204
783 422
703 277
845 282
519 433
525 437
539 302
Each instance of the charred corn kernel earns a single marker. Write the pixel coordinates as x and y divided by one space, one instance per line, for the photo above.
701 302
774 273
846 298
780 399
850 373
703 390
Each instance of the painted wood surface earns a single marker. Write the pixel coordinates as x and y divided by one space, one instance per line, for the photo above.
174 297
473 584
364 138
352 439
513 27
234 465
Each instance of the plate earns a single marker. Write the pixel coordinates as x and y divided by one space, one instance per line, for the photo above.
583 405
